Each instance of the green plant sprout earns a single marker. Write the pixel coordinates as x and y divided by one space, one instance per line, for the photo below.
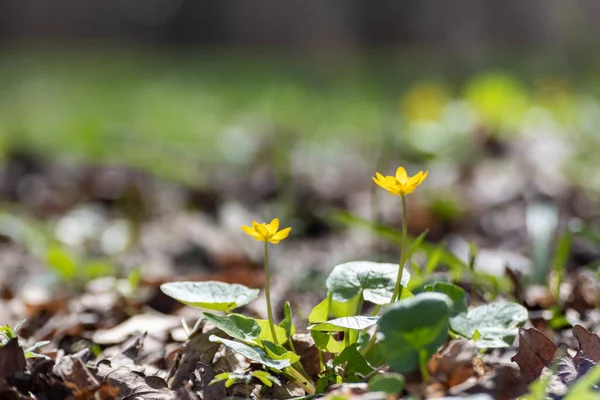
7 334
231 377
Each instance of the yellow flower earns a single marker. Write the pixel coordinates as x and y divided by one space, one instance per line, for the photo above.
267 232
401 184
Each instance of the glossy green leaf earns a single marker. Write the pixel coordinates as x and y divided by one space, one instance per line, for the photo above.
496 323
345 324
456 294
252 353
355 363
235 325
210 295
374 280
413 326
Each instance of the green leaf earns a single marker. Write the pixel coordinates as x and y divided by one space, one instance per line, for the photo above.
320 312
288 323
374 280
96 269
235 325
416 244
413 326
265 332
497 324
541 222
559 261
390 383
266 378
277 352
355 363
252 353
210 295
456 294
62 262
325 341
347 309
220 377
433 261
345 324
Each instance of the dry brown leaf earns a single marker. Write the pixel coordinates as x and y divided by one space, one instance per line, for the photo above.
589 344
76 376
198 349
454 364
150 323
12 359
536 351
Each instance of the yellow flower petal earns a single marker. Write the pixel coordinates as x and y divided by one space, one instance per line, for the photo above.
401 175
251 232
415 180
263 231
423 177
282 234
273 226
248 230
379 176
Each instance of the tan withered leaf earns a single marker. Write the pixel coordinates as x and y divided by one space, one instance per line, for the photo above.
536 351
589 344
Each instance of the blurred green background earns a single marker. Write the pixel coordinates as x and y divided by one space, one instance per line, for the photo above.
176 87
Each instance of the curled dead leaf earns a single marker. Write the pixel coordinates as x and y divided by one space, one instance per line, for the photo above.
535 353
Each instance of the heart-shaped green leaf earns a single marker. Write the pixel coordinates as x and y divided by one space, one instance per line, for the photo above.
210 295
277 352
346 309
235 325
357 323
456 294
356 365
391 383
320 312
265 332
252 353
496 324
412 327
374 280
325 341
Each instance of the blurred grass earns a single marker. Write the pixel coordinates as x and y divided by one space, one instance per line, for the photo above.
176 114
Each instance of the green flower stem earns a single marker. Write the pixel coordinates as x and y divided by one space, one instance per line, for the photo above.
370 344
423 365
268 295
398 289
301 380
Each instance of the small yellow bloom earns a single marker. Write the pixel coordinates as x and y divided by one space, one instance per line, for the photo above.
267 232
401 184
